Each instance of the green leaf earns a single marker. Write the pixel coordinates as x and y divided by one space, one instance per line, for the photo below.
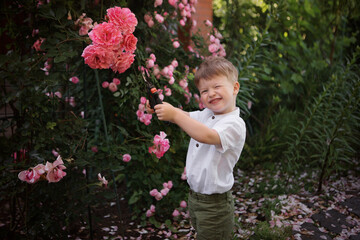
50 125
297 78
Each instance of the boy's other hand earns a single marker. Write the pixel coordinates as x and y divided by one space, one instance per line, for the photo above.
165 112
148 107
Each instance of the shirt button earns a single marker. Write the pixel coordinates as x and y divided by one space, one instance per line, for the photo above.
197 145
213 117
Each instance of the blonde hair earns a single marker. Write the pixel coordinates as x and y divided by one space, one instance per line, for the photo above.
216 66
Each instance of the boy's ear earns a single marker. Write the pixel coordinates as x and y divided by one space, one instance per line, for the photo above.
236 88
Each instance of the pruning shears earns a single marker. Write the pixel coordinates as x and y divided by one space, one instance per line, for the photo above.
153 94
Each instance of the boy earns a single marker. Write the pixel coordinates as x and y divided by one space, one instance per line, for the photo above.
217 138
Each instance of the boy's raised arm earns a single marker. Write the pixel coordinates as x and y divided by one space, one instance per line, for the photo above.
197 130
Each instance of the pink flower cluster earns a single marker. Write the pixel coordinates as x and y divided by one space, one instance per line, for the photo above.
140 113
167 71
53 171
113 43
159 195
161 145
151 211
215 47
85 24
113 86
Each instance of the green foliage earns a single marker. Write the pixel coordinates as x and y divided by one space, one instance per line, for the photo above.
263 231
292 52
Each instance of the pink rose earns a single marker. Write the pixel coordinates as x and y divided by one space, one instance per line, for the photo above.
154 192
126 157
213 47
183 204
94 149
152 208
116 81
208 23
32 175
74 80
106 34
159 18
37 44
105 84
123 18
158 196
143 100
112 87
98 57
182 22
158 3
169 184
172 2
172 81
150 63
176 44
122 62
55 170
150 23
175 213
149 213
130 43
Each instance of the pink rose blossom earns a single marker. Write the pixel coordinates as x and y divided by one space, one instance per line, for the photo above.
153 57
182 22
183 204
169 184
181 6
126 157
149 213
123 18
74 80
161 145
175 213
158 196
158 3
154 192
152 208
213 48
208 23
32 175
116 81
164 191
105 84
150 23
94 149
167 91
150 63
173 2
37 44
142 100
113 87
102 180
98 57
55 170
123 61
106 34
58 94
174 63
130 43
159 18
172 81
55 153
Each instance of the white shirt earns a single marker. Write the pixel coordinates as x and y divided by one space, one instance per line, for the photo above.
209 168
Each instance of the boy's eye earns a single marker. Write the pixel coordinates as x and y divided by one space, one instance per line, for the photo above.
205 91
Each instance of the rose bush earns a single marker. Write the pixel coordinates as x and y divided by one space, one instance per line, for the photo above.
76 90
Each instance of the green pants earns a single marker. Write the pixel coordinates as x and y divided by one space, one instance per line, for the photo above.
212 216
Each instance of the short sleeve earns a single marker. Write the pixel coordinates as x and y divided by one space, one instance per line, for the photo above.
232 134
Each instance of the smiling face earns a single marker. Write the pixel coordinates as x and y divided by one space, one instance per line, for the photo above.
218 94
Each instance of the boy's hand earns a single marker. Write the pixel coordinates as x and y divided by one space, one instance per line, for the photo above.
148 107
165 112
